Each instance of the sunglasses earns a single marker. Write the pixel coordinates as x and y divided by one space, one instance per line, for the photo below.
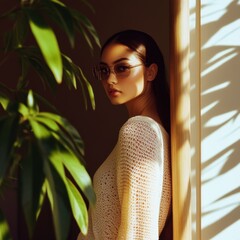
121 70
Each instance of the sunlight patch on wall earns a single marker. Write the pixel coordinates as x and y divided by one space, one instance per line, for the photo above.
208 107
213 10
220 119
229 231
216 88
218 64
228 35
220 140
221 54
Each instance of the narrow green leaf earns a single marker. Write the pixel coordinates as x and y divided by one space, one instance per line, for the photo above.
79 174
23 81
83 22
78 73
31 56
78 206
48 122
23 109
31 103
41 198
30 99
66 156
89 88
57 192
4 228
31 184
59 2
49 193
68 72
20 29
8 132
86 2
70 78
85 35
84 94
9 13
26 192
68 128
48 44
77 203
60 135
61 14
39 130
4 101
56 189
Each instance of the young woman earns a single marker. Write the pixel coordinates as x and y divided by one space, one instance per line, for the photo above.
133 185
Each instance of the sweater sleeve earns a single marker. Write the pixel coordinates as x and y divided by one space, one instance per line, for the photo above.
139 179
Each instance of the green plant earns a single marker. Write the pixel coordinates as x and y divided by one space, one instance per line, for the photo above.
43 148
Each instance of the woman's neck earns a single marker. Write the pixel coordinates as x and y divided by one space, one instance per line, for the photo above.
143 106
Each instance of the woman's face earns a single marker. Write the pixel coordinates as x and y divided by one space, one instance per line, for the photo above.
126 79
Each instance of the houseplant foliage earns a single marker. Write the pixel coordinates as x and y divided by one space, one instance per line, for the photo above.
42 148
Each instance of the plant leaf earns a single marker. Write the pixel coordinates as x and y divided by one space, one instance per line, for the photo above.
8 132
61 215
5 231
48 44
56 178
62 15
20 29
32 56
71 132
67 156
23 81
56 189
61 135
68 72
79 75
82 21
89 88
31 184
79 174
4 101
77 203
78 206
30 100
42 197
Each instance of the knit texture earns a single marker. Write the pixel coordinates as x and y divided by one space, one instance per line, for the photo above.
133 185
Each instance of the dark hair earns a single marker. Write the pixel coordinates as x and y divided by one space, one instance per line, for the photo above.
133 39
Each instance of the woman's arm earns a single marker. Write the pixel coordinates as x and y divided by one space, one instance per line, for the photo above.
139 178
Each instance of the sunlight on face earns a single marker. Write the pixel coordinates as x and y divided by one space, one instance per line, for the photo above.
121 90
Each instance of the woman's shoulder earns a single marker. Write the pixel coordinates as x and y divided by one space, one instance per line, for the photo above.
143 126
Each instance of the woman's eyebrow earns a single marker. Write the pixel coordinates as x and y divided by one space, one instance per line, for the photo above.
116 61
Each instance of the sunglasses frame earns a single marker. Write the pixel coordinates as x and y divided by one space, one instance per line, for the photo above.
96 70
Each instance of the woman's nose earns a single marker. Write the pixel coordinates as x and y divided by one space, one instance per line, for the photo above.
112 79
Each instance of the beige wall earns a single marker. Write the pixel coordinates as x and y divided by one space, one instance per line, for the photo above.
215 118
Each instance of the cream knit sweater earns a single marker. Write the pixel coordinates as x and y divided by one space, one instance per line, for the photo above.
133 185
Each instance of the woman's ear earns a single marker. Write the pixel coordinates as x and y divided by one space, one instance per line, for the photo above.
151 72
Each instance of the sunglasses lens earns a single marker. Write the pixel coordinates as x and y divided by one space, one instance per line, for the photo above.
101 72
104 72
121 70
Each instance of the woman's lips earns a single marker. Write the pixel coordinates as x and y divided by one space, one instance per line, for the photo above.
114 92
